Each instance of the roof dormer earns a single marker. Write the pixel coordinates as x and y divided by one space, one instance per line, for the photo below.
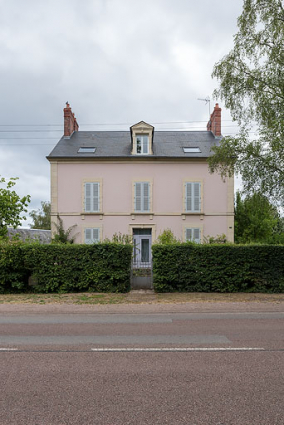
142 135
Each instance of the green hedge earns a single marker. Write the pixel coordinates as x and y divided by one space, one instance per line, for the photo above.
101 267
218 268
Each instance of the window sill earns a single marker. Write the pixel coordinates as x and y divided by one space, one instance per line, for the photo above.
141 213
91 213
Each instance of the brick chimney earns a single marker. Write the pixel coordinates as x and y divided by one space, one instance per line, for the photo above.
70 122
214 124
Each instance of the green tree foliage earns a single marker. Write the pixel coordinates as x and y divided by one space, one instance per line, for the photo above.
257 220
251 84
41 217
62 235
11 206
167 237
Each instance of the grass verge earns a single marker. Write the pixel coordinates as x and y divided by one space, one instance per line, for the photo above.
137 297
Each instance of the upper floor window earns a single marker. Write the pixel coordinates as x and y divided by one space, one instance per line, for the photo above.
92 197
192 197
142 135
142 144
142 197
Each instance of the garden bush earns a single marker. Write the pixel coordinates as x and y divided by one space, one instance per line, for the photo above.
103 267
188 267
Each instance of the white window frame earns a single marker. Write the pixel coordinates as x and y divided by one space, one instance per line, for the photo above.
93 197
191 150
192 203
193 231
145 200
92 239
144 144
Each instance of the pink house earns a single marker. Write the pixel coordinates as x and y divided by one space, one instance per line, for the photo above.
140 182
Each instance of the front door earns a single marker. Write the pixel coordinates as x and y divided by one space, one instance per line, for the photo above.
142 240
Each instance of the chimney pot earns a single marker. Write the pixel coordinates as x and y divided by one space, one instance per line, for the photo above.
214 123
70 122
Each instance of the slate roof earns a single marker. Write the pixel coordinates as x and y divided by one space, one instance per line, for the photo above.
43 236
117 144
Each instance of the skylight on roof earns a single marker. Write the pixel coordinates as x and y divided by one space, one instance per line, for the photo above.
191 150
86 149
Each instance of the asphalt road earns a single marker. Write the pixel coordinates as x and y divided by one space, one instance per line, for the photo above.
182 364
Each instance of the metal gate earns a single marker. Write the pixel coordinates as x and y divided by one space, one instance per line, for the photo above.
141 271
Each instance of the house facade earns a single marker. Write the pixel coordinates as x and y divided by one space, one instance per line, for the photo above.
140 182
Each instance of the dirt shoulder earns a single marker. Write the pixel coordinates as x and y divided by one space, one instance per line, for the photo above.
139 301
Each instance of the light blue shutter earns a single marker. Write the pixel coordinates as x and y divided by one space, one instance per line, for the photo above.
146 197
96 235
192 197
96 197
138 193
196 198
192 234
142 197
188 197
88 236
92 197
196 235
188 234
88 190
92 235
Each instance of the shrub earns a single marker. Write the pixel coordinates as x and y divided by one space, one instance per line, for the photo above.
167 237
61 268
218 268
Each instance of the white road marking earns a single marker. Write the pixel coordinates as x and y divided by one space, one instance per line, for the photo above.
8 349
179 349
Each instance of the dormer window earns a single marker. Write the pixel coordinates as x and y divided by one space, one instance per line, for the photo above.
142 144
142 135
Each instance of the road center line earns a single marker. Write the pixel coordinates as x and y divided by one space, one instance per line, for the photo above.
154 349
8 349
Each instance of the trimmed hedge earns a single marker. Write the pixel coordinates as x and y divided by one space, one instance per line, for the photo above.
101 267
218 268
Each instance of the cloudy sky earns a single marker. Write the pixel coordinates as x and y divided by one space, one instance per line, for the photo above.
117 62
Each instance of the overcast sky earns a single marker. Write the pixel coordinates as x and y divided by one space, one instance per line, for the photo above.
117 62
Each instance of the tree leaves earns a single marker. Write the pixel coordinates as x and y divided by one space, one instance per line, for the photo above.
11 206
251 83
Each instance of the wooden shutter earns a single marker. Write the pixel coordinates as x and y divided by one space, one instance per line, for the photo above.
188 234
196 197
92 235
138 197
146 197
188 197
196 235
96 235
88 191
192 234
88 235
92 197
192 197
96 197
142 197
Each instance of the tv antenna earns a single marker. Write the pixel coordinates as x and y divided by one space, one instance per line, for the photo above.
206 100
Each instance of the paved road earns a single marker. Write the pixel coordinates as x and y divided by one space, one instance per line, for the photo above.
197 366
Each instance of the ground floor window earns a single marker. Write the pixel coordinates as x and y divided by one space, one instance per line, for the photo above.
92 235
193 234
